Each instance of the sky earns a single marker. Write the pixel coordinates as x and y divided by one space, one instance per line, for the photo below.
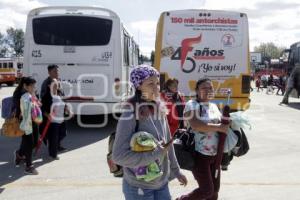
274 21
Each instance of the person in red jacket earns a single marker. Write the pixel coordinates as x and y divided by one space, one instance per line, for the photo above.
175 103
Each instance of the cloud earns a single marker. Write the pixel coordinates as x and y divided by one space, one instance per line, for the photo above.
144 32
275 6
275 26
18 6
145 27
254 14
269 20
13 13
297 35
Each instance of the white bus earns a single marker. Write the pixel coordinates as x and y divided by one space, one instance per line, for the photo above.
10 70
93 50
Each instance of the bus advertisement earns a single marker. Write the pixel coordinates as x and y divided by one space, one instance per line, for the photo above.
191 44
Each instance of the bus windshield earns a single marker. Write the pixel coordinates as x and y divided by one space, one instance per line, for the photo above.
72 31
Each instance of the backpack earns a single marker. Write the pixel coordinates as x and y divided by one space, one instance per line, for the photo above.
241 148
6 109
115 169
11 125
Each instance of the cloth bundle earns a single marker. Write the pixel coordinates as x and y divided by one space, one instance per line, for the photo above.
145 142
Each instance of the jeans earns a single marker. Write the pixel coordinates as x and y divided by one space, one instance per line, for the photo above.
135 193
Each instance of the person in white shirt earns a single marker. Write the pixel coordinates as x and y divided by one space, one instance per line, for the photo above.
204 118
58 109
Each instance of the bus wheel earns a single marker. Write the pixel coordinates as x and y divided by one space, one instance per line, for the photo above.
10 83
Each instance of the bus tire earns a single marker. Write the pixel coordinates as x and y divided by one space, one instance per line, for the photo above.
10 83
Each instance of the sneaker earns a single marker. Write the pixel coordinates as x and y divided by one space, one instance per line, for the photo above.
61 149
18 159
31 171
54 158
224 167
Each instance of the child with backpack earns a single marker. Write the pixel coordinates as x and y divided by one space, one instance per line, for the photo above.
25 103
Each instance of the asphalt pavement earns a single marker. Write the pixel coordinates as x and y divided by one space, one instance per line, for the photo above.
269 171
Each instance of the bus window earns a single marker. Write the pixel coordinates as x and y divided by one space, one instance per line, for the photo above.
126 51
10 65
298 56
72 30
20 65
0 65
4 65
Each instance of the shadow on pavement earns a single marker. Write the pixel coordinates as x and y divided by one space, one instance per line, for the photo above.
295 105
77 137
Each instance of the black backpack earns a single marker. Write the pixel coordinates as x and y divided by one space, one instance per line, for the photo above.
241 148
115 169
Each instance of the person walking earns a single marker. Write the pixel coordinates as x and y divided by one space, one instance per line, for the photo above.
258 83
58 110
175 104
270 83
23 98
280 85
204 118
145 112
289 89
46 97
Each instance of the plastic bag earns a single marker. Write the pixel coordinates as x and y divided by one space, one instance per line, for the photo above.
231 141
240 120
36 112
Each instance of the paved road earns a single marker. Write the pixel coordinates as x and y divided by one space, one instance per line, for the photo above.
270 171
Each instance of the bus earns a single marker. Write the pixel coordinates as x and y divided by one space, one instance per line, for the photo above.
93 50
191 44
10 70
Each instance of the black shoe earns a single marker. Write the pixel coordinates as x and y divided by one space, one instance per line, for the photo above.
31 171
284 102
61 149
54 158
224 167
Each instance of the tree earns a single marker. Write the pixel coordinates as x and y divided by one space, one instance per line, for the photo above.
3 48
15 40
144 58
269 50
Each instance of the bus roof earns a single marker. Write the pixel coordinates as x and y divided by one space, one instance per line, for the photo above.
203 10
78 10
295 44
